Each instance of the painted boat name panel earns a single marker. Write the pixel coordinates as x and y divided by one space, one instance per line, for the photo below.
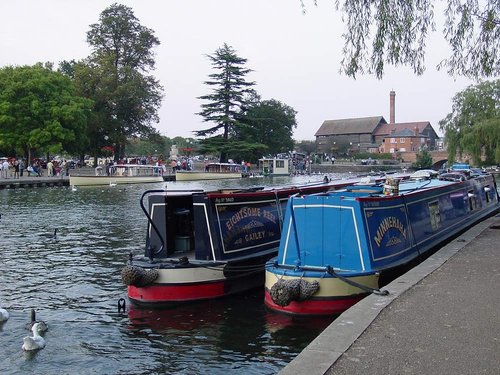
388 231
243 227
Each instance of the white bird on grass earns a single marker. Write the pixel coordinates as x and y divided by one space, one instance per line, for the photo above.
34 342
42 326
4 315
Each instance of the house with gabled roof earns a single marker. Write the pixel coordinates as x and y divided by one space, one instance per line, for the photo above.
357 133
369 134
404 140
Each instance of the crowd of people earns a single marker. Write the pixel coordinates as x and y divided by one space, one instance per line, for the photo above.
17 168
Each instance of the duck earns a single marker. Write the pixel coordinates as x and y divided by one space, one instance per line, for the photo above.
34 342
4 315
50 235
42 326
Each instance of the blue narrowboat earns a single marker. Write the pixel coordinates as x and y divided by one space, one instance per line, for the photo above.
335 245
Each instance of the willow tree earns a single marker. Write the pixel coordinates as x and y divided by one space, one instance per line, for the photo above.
395 32
116 76
225 102
473 126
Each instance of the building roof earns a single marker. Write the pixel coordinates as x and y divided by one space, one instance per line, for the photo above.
406 133
386 129
350 126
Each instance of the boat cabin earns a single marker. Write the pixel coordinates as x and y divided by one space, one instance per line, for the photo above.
274 166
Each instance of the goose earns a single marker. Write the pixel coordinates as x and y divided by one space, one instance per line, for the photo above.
42 326
4 315
34 342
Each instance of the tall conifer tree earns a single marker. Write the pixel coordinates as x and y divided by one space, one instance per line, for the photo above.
226 100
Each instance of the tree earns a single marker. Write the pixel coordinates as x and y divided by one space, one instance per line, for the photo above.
115 76
225 101
306 147
397 32
424 160
270 123
40 112
474 124
156 144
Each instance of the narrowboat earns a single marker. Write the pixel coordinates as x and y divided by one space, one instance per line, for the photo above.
212 171
119 174
202 245
335 245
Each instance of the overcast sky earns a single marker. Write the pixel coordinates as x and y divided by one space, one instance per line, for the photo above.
295 58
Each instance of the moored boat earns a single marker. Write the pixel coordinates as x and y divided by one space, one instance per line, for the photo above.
275 166
208 244
120 174
335 245
212 171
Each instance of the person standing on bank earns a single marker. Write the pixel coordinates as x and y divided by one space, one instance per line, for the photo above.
5 169
50 169
16 169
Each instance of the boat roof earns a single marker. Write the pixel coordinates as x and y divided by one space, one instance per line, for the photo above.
134 166
223 164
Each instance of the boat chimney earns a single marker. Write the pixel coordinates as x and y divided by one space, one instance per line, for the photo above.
392 109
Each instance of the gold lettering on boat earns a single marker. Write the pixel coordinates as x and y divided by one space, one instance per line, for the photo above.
246 212
386 224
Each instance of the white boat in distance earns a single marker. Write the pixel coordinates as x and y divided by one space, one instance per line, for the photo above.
213 171
120 174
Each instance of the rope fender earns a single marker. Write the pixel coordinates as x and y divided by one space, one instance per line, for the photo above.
285 291
138 276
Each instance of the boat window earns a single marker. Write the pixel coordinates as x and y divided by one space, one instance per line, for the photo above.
487 193
472 200
435 215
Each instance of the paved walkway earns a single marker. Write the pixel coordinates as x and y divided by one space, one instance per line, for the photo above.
442 317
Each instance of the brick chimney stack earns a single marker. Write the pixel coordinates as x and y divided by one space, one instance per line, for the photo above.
392 112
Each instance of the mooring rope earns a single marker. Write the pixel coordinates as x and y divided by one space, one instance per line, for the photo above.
368 289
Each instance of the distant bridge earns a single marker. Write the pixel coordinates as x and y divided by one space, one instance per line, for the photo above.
438 158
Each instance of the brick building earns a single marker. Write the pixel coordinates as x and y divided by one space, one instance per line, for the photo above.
374 134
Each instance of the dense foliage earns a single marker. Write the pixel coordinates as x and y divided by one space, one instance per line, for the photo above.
40 112
115 76
473 127
424 160
271 123
395 32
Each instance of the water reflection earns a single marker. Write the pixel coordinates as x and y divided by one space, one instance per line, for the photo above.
73 281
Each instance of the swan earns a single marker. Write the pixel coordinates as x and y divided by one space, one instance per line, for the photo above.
4 315
42 326
34 342
111 183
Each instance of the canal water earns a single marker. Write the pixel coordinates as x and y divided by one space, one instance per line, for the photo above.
73 281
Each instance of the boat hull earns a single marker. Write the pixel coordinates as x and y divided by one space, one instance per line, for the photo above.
110 180
333 297
199 282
